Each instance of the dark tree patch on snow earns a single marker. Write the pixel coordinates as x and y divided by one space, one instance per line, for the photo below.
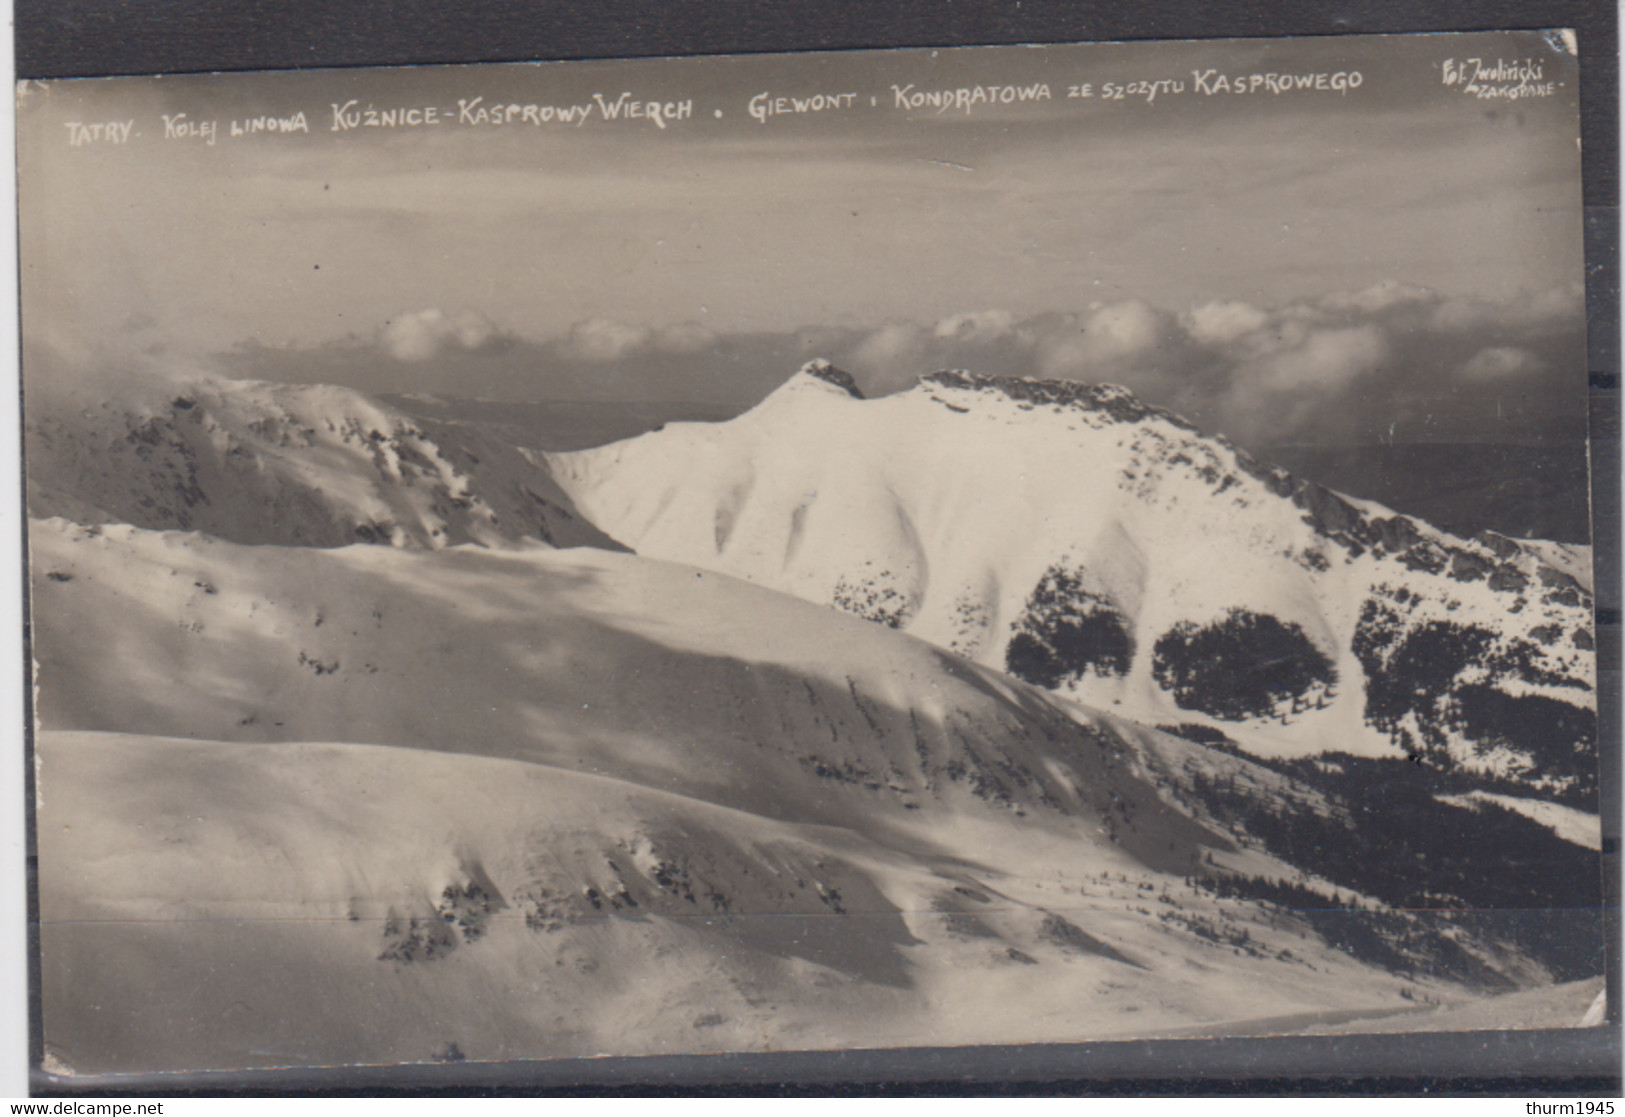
419 939
1246 665
1201 734
1313 560
319 666
1493 719
878 597
1418 692
470 907
1066 632
1412 670
1388 836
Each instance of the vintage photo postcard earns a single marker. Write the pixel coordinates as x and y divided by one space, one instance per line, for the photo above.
829 551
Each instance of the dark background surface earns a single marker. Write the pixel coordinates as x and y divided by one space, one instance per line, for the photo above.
77 38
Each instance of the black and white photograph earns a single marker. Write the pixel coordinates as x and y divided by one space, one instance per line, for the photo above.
810 552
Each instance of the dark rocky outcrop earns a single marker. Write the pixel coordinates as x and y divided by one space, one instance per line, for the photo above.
829 374
1111 400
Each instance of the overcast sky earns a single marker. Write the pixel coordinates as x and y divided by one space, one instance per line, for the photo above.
1245 245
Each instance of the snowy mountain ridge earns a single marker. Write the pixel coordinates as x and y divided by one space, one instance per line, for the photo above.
1103 548
294 465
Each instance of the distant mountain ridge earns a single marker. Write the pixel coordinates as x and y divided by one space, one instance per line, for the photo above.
294 465
1521 491
558 424
1103 548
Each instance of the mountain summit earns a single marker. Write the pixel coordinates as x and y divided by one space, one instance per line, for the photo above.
286 464
822 370
1103 548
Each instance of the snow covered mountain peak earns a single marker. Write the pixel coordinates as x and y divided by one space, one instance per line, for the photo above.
289 465
957 388
819 372
1095 545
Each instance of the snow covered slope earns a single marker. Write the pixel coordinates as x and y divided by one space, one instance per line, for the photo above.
1104 549
682 680
372 804
309 465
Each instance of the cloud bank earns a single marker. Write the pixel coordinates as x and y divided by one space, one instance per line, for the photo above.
1390 363
426 334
